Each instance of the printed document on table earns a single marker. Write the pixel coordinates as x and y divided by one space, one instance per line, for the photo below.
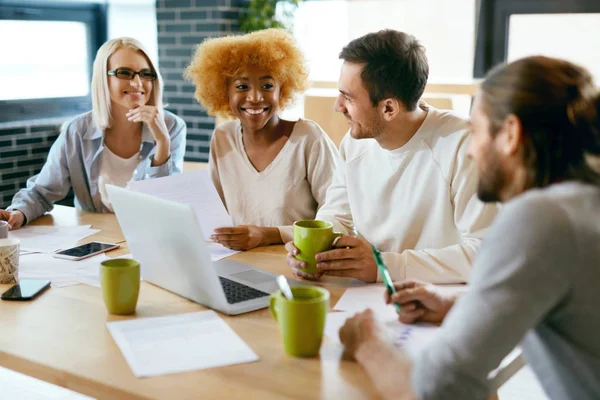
61 272
48 239
178 343
14 385
372 296
193 188
360 298
218 251
411 338
414 338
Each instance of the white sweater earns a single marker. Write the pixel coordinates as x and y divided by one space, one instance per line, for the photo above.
417 204
291 188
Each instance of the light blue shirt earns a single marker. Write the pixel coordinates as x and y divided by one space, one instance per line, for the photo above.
74 161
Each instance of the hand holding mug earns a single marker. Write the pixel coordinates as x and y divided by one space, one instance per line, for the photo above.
352 258
15 218
310 238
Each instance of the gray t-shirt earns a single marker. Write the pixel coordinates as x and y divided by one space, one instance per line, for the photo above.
535 282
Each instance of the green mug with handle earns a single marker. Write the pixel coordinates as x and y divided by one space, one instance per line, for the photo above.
120 282
301 320
312 237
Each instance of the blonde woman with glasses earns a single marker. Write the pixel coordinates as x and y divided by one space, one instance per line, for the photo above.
127 136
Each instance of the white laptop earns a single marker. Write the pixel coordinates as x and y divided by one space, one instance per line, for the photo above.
165 237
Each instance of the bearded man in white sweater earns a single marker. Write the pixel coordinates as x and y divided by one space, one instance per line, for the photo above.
406 185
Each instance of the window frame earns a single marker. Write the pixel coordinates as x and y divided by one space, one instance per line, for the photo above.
94 15
491 46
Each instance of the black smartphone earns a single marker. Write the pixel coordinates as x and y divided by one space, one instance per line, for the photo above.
85 250
26 289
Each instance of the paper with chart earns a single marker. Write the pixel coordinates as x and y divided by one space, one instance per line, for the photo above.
177 343
14 385
61 272
412 337
48 239
193 188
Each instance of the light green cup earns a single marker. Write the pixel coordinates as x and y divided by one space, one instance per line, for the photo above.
120 281
302 320
312 237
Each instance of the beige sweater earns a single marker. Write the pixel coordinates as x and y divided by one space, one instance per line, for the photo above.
291 188
417 204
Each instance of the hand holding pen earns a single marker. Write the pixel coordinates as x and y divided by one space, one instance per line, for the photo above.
420 301
387 279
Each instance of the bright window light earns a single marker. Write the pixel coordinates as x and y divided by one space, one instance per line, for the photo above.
574 37
43 59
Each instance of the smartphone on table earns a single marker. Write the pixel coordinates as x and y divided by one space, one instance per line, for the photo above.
85 250
26 289
385 274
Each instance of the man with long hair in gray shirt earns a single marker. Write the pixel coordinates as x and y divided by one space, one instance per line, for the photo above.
536 280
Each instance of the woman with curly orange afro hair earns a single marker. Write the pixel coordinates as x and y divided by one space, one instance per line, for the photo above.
268 171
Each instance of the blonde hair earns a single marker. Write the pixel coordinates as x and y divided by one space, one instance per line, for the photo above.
218 59
101 110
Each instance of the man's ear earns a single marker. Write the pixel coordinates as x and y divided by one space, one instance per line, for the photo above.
390 108
510 136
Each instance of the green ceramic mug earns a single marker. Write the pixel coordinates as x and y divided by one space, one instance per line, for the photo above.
312 237
302 320
120 281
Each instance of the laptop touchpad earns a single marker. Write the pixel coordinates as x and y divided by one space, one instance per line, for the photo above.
254 277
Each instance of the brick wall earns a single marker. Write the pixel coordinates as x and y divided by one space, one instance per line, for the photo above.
182 24
23 152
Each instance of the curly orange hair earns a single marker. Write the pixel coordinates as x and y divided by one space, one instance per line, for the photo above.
219 59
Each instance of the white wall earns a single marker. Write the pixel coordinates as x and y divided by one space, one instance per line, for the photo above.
445 27
575 37
134 18
321 29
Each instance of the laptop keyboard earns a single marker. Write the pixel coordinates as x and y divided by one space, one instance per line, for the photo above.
236 292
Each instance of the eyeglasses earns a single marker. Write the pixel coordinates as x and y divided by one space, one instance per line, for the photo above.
127 74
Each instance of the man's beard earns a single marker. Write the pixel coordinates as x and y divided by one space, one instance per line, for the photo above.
370 131
491 182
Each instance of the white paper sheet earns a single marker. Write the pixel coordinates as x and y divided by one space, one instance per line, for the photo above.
411 338
61 272
48 239
177 343
360 298
193 188
14 385
218 251
372 296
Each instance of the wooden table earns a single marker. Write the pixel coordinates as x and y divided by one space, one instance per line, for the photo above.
189 166
61 337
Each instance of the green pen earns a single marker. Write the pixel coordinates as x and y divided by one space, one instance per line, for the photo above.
387 279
